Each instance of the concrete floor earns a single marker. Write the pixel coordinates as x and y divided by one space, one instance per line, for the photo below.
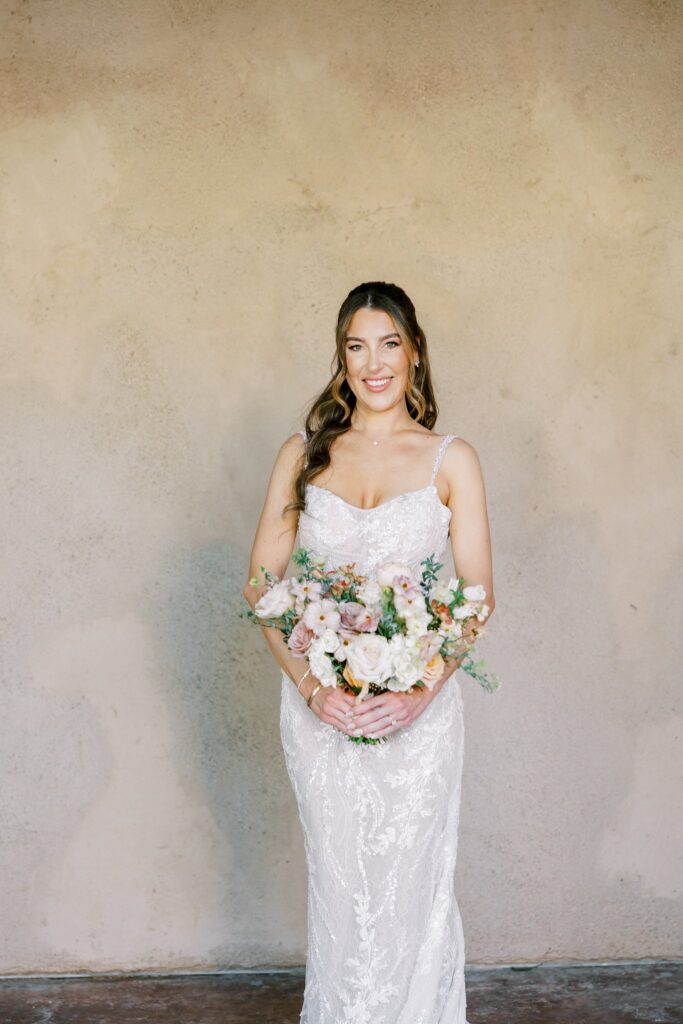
618 994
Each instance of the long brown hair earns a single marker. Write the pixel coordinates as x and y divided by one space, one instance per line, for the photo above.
330 413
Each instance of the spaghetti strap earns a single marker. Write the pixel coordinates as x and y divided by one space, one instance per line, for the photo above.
439 455
303 434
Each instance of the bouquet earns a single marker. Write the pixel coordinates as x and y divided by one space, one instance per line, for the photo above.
392 632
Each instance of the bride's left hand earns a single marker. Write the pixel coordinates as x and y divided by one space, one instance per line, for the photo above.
373 717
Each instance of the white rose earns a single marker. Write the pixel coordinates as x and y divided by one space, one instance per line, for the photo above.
369 657
275 601
474 593
369 594
386 572
321 663
329 641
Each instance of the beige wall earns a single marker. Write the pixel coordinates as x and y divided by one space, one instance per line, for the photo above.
189 191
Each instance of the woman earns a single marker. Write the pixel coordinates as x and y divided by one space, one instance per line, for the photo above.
368 482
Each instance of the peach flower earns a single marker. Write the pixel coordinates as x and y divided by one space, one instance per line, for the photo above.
433 671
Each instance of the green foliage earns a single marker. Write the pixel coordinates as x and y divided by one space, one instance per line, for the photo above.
390 623
475 669
301 557
430 573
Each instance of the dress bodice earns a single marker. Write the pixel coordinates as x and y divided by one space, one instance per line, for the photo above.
407 528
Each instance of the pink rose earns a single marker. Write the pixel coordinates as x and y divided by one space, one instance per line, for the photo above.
366 620
300 640
348 611
356 618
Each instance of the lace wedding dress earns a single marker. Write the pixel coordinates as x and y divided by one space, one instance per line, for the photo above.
380 822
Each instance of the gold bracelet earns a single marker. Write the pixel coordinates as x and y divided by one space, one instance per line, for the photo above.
313 693
298 685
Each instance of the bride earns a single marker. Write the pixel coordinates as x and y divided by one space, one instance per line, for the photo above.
368 482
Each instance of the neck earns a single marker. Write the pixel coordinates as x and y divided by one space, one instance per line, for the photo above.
381 424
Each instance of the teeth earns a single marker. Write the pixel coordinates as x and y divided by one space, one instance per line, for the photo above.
378 383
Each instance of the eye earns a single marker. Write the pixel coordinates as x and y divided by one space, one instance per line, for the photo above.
353 348
394 343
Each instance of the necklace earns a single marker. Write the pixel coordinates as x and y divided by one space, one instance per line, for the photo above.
367 438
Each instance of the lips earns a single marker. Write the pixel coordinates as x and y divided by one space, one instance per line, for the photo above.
377 383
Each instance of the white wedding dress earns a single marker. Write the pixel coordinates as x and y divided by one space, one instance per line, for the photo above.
380 822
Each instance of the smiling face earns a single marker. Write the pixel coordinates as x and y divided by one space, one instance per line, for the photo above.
377 360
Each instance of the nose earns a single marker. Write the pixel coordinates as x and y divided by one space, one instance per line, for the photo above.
374 361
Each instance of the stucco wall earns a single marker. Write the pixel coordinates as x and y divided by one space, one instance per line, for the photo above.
189 191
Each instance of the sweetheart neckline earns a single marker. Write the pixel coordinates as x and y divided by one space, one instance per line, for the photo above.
382 504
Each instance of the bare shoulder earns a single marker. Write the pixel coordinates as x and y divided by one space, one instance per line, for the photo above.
288 459
460 453
293 446
461 466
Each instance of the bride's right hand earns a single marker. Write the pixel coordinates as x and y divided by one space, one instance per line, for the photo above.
333 706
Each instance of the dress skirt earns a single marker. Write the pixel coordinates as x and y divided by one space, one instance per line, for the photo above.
380 828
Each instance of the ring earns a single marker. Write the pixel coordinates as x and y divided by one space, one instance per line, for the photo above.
393 721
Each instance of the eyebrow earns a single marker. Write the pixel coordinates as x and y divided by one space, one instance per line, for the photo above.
394 334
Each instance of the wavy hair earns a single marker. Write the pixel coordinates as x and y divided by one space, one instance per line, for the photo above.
330 413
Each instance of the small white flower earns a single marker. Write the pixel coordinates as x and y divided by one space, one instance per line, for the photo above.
306 590
322 615
474 593
464 611
441 593
406 664
321 664
453 631
416 625
410 606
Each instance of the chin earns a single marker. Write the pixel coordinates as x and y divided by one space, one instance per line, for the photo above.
380 399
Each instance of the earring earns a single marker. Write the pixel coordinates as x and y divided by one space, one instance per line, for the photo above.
417 363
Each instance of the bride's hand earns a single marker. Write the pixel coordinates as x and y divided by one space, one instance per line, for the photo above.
333 706
373 718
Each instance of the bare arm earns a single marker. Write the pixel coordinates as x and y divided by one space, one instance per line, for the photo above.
273 545
470 532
